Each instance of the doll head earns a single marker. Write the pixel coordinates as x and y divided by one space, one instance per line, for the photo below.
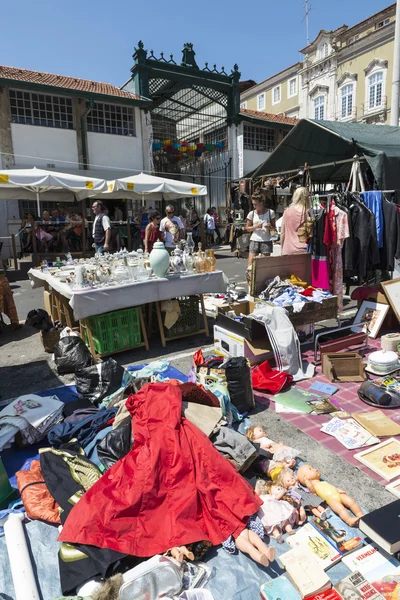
307 473
275 490
255 432
261 487
287 478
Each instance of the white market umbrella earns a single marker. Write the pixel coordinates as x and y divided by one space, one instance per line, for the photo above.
39 181
154 188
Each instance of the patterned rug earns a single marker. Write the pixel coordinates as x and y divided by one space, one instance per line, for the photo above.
349 401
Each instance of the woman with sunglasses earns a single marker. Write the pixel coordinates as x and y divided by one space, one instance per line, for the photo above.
152 232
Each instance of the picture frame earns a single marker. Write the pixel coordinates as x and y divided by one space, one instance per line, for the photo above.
382 458
392 293
394 488
374 313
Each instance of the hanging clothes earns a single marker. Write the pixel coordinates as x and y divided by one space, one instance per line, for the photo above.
373 201
319 264
172 488
336 231
365 256
391 242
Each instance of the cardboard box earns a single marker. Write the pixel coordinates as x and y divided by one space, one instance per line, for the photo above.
229 344
247 328
343 366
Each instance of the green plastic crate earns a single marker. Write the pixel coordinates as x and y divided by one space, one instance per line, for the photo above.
115 331
189 319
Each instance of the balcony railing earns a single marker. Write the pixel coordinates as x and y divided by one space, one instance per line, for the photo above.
370 108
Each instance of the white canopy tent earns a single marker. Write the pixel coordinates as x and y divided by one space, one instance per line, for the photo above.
151 187
39 181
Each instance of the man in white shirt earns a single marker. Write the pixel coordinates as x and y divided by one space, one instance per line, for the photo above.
173 228
101 228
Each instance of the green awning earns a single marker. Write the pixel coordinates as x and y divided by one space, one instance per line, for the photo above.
321 144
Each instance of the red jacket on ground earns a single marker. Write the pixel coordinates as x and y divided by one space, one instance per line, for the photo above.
172 488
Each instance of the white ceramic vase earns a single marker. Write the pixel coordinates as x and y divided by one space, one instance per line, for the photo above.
159 259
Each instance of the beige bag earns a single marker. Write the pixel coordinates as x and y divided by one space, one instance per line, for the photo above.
305 230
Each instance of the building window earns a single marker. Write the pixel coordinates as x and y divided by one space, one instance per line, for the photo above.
375 88
347 100
41 109
324 50
319 108
353 39
292 87
111 118
276 94
382 24
243 105
258 138
261 102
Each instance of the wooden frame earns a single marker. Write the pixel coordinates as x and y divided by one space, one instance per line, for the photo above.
374 323
392 293
394 488
373 458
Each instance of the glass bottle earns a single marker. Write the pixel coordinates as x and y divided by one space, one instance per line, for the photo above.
200 260
190 245
210 260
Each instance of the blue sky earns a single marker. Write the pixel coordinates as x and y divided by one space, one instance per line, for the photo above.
95 40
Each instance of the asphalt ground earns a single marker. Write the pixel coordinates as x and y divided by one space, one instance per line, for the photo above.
26 368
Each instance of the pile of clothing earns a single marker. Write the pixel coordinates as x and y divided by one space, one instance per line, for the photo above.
146 472
292 292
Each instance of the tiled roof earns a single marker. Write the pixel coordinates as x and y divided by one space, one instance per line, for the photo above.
61 81
256 114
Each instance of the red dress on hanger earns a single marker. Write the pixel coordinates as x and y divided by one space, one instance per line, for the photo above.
172 488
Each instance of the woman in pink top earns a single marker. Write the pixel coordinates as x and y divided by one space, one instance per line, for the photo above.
293 218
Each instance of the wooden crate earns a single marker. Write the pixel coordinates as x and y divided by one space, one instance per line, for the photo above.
343 366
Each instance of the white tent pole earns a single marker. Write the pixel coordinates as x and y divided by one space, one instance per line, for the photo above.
38 202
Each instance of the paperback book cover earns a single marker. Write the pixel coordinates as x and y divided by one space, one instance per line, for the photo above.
279 589
356 586
327 595
296 398
309 539
377 423
323 406
306 574
344 538
349 433
371 563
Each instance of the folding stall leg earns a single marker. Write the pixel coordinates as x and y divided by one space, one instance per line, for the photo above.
143 326
85 326
203 310
160 324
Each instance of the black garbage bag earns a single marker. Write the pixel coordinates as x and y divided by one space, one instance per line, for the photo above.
39 319
238 378
98 381
70 354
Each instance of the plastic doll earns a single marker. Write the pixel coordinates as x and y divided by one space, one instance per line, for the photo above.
250 541
180 553
289 481
281 453
335 498
276 514
260 489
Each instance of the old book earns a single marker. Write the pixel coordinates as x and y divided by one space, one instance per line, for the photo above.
356 586
345 538
305 572
382 526
279 589
371 563
309 539
377 423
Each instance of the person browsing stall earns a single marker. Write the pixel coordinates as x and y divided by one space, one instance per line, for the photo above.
173 228
153 233
259 223
101 228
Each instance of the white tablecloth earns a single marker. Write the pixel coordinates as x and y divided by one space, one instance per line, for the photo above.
95 302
